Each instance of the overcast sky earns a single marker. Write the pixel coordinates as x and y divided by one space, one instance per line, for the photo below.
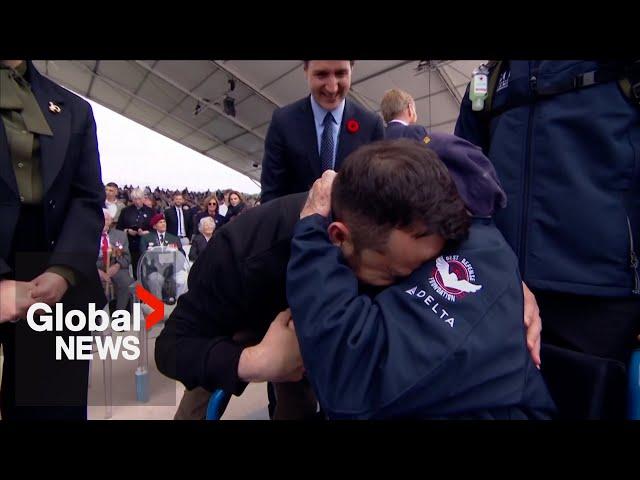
133 154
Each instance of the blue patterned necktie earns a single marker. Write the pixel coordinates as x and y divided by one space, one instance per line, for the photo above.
326 143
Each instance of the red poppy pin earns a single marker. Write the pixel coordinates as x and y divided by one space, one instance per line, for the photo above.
353 126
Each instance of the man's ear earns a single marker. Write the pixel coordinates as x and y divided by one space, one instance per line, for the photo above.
338 233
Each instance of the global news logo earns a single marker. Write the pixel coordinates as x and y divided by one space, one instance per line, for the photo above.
42 318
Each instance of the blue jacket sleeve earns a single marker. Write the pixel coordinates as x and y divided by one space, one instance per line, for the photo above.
341 334
471 125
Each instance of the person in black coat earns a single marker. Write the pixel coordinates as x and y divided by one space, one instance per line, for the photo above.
236 206
295 150
135 222
51 198
206 228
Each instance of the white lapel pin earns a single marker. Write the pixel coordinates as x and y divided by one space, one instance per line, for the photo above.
54 108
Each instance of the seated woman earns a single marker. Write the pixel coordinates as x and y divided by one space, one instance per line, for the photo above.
206 227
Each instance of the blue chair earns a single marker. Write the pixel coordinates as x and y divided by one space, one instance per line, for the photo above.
217 403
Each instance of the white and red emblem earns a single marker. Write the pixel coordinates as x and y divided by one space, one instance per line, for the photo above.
453 277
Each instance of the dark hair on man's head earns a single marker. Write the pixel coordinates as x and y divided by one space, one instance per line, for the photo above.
306 63
397 184
112 184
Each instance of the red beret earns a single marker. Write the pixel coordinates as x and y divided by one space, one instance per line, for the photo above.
156 218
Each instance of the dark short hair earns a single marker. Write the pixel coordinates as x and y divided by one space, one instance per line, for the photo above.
112 184
396 184
306 63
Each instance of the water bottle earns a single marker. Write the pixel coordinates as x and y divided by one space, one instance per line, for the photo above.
634 385
478 89
142 385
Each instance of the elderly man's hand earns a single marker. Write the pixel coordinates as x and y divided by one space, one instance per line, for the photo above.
15 300
277 357
533 322
49 288
319 199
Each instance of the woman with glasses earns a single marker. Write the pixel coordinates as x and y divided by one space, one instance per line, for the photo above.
209 209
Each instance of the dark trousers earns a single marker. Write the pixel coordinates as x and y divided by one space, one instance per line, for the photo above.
34 384
135 258
598 326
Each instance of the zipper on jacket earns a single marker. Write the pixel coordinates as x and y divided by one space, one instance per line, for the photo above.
526 174
634 260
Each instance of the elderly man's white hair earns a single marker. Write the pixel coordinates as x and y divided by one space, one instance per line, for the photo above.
205 220
136 193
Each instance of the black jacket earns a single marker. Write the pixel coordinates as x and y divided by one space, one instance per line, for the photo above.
197 246
171 216
131 218
237 284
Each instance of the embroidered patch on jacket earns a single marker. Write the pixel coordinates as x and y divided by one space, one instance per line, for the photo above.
453 277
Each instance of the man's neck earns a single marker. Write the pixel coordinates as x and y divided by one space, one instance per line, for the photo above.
403 120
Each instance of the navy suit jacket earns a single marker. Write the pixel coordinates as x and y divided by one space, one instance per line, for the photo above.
398 130
291 159
72 186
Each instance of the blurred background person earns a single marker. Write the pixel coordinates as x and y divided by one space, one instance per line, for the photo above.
207 228
112 203
113 262
134 221
236 205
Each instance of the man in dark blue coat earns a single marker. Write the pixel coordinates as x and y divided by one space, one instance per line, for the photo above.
51 198
315 133
564 137
442 336
399 112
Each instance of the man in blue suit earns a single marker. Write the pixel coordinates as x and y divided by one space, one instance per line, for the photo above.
399 112
51 198
315 133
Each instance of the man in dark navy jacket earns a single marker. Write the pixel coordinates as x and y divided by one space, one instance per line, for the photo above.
564 137
399 112
315 133
445 338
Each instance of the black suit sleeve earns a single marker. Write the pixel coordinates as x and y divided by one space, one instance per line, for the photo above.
84 220
274 178
195 346
120 225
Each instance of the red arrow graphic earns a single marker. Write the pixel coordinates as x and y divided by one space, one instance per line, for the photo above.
154 302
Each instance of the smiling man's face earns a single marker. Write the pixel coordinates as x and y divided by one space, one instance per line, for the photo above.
329 81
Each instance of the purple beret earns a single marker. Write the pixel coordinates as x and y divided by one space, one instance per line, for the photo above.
472 172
